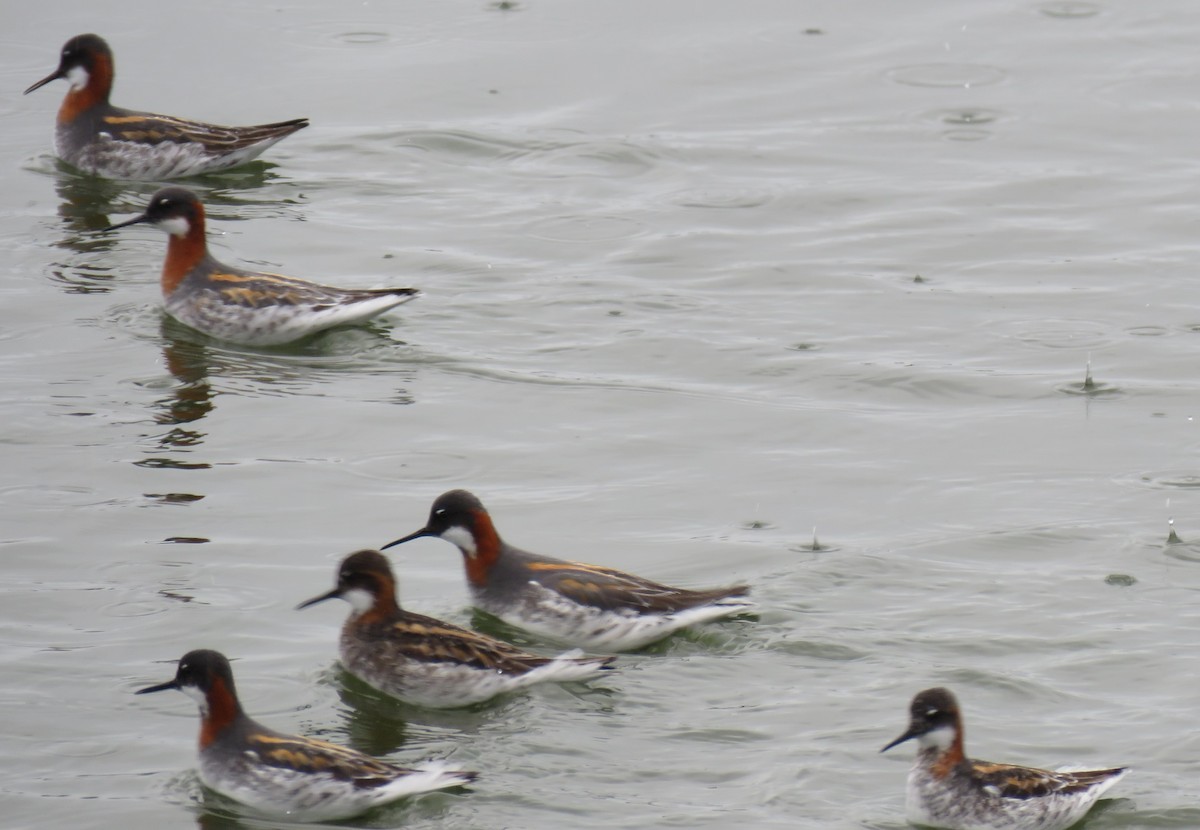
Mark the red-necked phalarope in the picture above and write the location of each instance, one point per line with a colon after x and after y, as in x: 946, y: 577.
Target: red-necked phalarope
x: 246, y: 307
x: 425, y: 661
x: 287, y: 775
x: 116, y: 143
x: 948, y: 790
x: 596, y: 608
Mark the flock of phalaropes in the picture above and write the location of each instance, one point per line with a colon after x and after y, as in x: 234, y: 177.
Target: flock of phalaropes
x: 419, y: 659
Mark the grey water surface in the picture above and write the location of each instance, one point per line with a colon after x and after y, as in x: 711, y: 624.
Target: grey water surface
x: 699, y: 278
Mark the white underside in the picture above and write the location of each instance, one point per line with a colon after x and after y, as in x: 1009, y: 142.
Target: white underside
x: 556, y: 618
x: 447, y: 686
x: 933, y: 803
x: 303, y: 796
x: 113, y: 159
x: 272, y: 326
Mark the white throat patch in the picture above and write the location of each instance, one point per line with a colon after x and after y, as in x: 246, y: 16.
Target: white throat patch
x: 176, y: 226
x: 195, y: 694
x: 361, y: 601
x: 78, y: 77
x: 461, y: 538
x: 940, y: 738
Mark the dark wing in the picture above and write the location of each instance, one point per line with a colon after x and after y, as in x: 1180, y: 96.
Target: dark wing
x: 614, y: 590
x: 1011, y: 781
x: 310, y: 755
x: 148, y: 128
x: 251, y: 289
x: 423, y: 638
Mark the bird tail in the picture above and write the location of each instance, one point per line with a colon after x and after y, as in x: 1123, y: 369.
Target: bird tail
x: 571, y: 665
x: 434, y: 775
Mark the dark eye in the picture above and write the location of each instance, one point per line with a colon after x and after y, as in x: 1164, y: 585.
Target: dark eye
x: 441, y: 511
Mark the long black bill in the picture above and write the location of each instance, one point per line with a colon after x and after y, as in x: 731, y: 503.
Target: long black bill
x: 907, y: 736
x: 161, y: 687
x: 53, y: 76
x: 334, y: 594
x: 422, y: 532
x: 137, y: 220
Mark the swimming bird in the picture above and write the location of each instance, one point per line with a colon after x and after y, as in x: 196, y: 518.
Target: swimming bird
x: 427, y: 662
x: 117, y: 143
x: 287, y: 775
x: 948, y: 790
x: 250, y: 308
x: 596, y: 608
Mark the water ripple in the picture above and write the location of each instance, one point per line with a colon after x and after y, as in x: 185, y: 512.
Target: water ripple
x: 362, y: 38
x: 946, y: 75
x: 142, y: 321
x: 1091, y: 389
x: 332, y: 34
x: 48, y: 496
x: 1179, y: 479
x: 1063, y: 334
x: 170, y: 573
x: 1148, y: 331
x: 964, y: 123
x: 83, y: 278
x: 1144, y: 92
x: 133, y: 608
x: 601, y: 159
x: 723, y: 197
x: 586, y: 228
x: 1070, y: 9
x: 964, y: 116
x: 474, y: 146
x: 1183, y: 551
x: 413, y: 465
x: 568, y: 154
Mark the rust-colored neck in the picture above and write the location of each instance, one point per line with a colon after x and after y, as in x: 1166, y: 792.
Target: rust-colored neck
x: 487, y: 550
x: 223, y: 710
x: 385, y: 608
x: 99, y: 85
x: 184, y: 253
x: 950, y: 757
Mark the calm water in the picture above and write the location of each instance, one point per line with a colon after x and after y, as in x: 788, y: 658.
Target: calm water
x: 699, y: 278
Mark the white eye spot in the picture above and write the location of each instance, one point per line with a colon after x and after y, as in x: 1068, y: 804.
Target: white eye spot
x: 78, y: 77
x: 441, y: 511
x: 176, y: 226
x: 361, y: 601
x: 461, y: 538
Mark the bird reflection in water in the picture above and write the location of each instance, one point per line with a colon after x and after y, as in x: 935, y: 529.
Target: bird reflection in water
x: 190, y: 400
x: 84, y: 203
